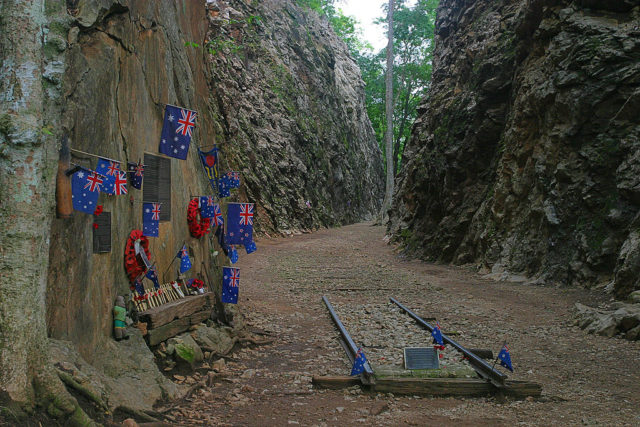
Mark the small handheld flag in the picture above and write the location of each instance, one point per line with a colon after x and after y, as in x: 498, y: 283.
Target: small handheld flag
x: 153, y: 276
x: 358, y: 363
x: 136, y: 171
x: 505, y: 358
x: 176, y: 131
x: 139, y: 287
x: 437, y: 336
x: 85, y: 189
x: 239, y: 223
x: 150, y: 219
x: 185, y: 263
x: 230, y: 284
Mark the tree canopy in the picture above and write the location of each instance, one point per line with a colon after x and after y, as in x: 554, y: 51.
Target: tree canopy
x: 413, y: 29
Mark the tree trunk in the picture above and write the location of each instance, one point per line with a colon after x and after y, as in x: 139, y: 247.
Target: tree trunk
x: 27, y: 168
x: 397, y: 158
x: 388, y: 136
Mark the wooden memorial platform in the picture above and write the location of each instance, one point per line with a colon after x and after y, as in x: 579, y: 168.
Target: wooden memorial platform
x: 459, y: 387
x: 170, y: 319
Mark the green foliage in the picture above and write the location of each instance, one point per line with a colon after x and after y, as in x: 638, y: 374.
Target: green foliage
x: 346, y: 27
x: 6, y: 125
x: 224, y: 43
x: 413, y: 47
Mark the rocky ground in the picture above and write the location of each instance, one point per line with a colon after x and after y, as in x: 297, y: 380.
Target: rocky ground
x: 587, y: 379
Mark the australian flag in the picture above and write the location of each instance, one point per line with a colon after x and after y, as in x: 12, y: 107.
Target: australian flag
x: 153, y: 276
x: 185, y: 263
x: 207, y: 207
x: 230, y: 283
x: 139, y: 287
x: 150, y: 219
x: 505, y: 358
x: 109, y: 169
x: 217, y: 215
x: 234, y: 179
x: 437, y: 336
x: 233, y: 254
x: 210, y: 163
x: 239, y: 223
x: 85, y: 189
x: 224, y: 187
x: 358, y: 363
x: 250, y: 247
x: 136, y: 171
x: 176, y: 131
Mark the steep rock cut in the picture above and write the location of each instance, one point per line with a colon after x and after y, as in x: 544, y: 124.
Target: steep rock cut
x: 524, y: 157
x: 291, y: 108
x: 294, y: 128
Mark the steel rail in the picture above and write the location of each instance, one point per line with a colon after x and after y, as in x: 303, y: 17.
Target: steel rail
x: 345, y: 335
x: 483, y: 369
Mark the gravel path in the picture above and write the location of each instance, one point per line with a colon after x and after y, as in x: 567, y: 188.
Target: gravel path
x: 587, y: 380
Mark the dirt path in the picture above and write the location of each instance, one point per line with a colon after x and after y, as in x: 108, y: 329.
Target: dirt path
x: 587, y: 380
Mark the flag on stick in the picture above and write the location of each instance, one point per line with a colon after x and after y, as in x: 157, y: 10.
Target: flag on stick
x: 152, y: 275
x: 505, y: 358
x: 437, y: 336
x: 358, y: 363
x: 185, y: 263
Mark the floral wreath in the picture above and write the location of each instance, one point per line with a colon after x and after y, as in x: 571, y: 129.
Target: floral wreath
x: 197, y: 228
x: 131, y: 265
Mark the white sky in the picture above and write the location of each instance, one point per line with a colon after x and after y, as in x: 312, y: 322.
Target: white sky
x: 367, y: 11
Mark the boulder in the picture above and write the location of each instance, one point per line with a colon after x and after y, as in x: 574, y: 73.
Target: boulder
x: 118, y: 373
x: 186, y: 350
x: 216, y: 340
x: 625, y: 320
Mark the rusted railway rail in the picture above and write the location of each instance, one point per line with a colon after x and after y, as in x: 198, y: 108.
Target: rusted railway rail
x: 483, y: 369
x: 491, y: 381
x: 350, y: 346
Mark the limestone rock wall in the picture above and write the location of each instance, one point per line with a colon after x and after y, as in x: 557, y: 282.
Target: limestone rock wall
x: 124, y: 61
x: 524, y: 157
x: 291, y: 108
x: 278, y: 93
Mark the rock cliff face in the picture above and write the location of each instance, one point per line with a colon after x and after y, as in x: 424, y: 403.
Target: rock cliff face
x: 291, y: 109
x: 273, y: 86
x: 525, y: 155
